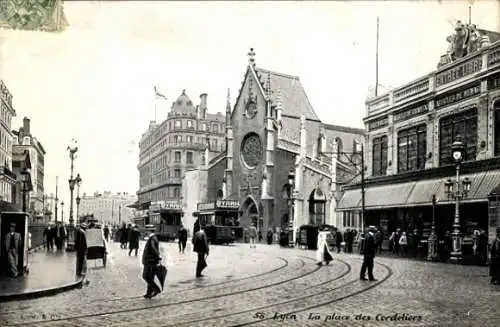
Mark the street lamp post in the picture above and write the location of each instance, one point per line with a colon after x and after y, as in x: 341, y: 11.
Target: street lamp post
x: 432, y: 242
x: 62, y: 212
x: 56, y: 200
x: 291, y: 200
x: 78, y: 181
x: 72, y: 155
x: 457, y: 193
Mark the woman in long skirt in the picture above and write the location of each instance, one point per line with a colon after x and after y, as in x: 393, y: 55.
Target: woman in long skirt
x: 323, y: 252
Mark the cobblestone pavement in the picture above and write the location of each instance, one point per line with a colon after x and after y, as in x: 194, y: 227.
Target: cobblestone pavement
x: 269, y: 286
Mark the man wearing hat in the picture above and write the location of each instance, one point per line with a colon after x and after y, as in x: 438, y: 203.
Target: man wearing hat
x: 13, y: 245
x: 81, y: 251
x: 369, y: 249
x: 495, y: 259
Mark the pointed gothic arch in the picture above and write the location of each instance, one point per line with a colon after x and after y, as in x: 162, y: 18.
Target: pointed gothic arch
x: 249, y: 212
x: 317, y: 207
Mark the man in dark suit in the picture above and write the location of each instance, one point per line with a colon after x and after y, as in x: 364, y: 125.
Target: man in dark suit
x: 200, y: 246
x: 183, y: 236
x: 495, y: 259
x: 81, y: 251
x: 60, y: 234
x: 369, y: 249
x: 48, y: 234
x: 13, y: 245
x: 150, y: 259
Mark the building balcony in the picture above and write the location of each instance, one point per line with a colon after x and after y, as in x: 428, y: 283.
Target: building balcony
x: 455, y: 74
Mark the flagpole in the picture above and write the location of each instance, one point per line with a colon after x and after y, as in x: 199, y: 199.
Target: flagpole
x: 376, y: 63
x: 155, y: 102
x: 470, y: 12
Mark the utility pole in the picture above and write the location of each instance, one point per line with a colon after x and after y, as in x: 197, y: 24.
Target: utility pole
x: 120, y: 213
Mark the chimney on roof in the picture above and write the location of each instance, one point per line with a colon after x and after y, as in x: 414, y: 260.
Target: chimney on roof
x: 203, y: 101
x: 26, y: 126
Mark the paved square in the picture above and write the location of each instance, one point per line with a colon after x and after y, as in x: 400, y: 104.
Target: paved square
x: 269, y: 286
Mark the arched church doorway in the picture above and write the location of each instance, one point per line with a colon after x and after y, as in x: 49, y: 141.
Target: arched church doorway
x: 317, y: 207
x: 249, y: 213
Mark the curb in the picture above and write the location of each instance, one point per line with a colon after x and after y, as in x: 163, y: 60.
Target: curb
x: 41, y: 293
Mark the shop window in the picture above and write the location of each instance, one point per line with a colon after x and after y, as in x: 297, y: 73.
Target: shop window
x: 412, y: 146
x: 463, y: 124
x: 379, y: 156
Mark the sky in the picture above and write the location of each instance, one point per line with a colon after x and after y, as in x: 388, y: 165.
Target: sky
x: 94, y: 81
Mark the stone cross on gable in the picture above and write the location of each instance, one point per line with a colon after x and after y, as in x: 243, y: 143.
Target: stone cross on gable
x: 251, y: 57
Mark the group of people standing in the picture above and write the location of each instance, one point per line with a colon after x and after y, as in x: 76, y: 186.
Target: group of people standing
x: 129, y: 234
x: 54, y: 234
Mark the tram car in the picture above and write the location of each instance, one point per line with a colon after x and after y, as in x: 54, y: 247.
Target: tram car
x: 166, y: 226
x: 219, y: 220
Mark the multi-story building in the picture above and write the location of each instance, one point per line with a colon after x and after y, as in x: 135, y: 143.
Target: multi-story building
x: 273, y: 130
x: 410, y: 132
x: 107, y: 207
x: 23, y: 140
x: 7, y: 178
x: 179, y: 143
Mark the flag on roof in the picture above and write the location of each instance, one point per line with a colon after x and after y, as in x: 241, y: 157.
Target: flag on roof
x: 158, y: 95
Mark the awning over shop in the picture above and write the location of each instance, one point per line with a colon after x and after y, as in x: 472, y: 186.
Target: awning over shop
x: 418, y: 193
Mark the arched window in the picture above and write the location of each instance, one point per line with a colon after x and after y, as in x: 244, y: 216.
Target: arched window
x: 317, y: 206
x: 339, y: 145
x: 496, y: 110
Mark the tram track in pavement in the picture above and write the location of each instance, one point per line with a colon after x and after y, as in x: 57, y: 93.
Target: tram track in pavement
x: 162, y: 305
x: 285, y: 264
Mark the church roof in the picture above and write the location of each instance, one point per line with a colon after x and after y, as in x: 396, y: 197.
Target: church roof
x: 183, y: 104
x: 293, y: 96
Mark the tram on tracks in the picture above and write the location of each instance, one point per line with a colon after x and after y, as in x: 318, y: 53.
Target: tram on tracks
x: 166, y: 217
x: 219, y: 219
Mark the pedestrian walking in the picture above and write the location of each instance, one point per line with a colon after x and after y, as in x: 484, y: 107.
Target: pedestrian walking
x: 133, y: 242
x: 106, y: 233
x: 200, y: 246
x: 150, y: 260
x: 338, y: 240
x: 369, y: 249
x: 60, y: 234
x: 13, y: 244
x: 403, y: 244
x: 252, y: 234
x: 482, y: 247
x: 123, y: 236
x: 495, y: 259
x: 183, y: 235
x: 81, y: 252
x: 48, y: 235
x: 323, y: 253
x: 269, y: 236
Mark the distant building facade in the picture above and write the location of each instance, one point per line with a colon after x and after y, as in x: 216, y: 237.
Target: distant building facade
x: 107, y: 207
x: 7, y: 178
x: 23, y: 140
x: 410, y: 132
x: 181, y: 142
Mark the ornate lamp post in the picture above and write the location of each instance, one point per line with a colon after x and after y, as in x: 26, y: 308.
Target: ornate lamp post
x: 72, y: 155
x: 62, y: 212
x: 458, y: 151
x: 78, y: 181
x: 291, y: 200
x: 432, y: 242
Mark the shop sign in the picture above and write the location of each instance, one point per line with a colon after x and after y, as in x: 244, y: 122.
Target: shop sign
x: 206, y: 206
x: 172, y: 205
x: 228, y: 204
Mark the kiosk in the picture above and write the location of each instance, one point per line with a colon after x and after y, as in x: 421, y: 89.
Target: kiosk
x: 21, y: 220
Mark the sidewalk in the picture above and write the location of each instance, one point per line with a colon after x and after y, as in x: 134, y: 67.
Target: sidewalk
x: 49, y: 273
